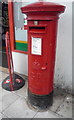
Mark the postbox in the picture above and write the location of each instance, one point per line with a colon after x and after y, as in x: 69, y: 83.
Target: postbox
x: 42, y: 18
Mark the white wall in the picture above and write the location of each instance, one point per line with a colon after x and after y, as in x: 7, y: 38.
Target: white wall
x: 63, y: 71
x: 63, y: 66
x: 20, y: 63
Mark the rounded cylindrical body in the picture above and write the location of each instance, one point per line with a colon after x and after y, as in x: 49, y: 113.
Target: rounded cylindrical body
x: 42, y: 33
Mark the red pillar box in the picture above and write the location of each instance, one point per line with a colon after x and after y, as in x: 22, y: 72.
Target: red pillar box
x: 42, y: 32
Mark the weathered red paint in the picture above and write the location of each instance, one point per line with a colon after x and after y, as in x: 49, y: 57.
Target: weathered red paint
x: 9, y: 59
x: 41, y: 67
x: 11, y: 24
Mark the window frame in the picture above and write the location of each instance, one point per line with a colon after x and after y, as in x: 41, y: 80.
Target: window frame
x: 11, y: 27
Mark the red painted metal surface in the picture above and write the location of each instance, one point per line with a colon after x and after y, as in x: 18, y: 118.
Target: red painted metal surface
x: 25, y: 27
x: 18, y: 51
x: 41, y: 67
x: 9, y: 59
x: 43, y: 6
x: 11, y: 27
x: 11, y: 24
x: 39, y: 11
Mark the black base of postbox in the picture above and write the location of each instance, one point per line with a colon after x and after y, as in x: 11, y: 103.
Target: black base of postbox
x: 40, y: 101
x: 18, y: 81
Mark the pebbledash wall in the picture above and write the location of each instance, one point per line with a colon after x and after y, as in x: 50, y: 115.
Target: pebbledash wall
x: 63, y: 66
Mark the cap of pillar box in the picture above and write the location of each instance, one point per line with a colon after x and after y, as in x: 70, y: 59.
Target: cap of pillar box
x: 43, y: 6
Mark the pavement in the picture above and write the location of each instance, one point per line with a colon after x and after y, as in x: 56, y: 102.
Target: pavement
x: 15, y: 105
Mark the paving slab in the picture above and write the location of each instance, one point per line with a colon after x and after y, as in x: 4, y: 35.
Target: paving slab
x: 0, y: 106
x: 3, y: 91
x: 58, y: 98
x: 0, y: 116
x: 66, y: 107
x: 7, y: 100
x: 0, y: 76
x: 19, y: 109
x: 3, y: 75
x: 0, y: 99
x: 4, y: 69
x: 23, y: 91
x: 3, y: 116
x: 47, y: 114
x: 15, y: 105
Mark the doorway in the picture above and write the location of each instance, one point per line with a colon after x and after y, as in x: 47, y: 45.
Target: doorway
x: 5, y: 27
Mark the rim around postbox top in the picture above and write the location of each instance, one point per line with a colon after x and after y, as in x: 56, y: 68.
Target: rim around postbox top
x: 43, y: 6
